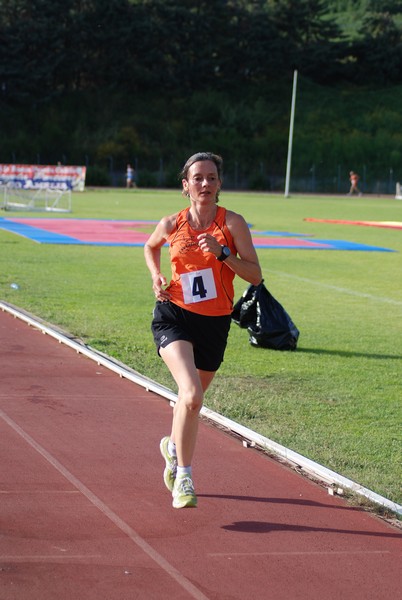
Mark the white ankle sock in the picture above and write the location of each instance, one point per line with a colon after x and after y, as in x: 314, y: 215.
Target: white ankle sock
x: 182, y: 471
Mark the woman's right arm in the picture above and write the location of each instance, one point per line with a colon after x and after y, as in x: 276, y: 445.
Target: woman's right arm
x: 152, y: 253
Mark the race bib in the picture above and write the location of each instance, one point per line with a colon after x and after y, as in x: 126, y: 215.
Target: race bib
x: 198, y: 286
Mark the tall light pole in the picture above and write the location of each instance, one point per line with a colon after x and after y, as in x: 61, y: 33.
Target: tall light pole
x: 292, y: 118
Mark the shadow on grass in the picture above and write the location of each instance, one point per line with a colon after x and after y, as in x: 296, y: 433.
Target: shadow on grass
x: 348, y: 354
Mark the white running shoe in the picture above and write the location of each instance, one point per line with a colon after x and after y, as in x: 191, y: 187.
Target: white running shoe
x: 169, y: 474
x: 183, y: 493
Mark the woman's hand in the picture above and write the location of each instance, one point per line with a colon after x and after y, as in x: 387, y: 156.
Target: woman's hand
x: 158, y: 281
x: 208, y: 243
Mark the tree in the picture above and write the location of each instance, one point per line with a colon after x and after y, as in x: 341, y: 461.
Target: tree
x: 104, y: 34
x: 33, y: 49
x: 379, y: 53
x: 312, y: 42
x: 392, y: 7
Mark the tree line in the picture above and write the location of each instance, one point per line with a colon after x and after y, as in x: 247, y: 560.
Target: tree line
x: 116, y: 79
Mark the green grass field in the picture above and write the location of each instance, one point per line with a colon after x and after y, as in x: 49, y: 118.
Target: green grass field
x: 336, y: 400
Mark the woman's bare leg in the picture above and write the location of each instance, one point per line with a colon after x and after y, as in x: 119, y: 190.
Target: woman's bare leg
x: 192, y: 383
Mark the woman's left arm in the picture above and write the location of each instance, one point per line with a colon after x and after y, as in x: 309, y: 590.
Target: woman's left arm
x: 246, y: 265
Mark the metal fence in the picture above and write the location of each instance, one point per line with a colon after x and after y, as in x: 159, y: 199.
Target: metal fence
x: 235, y: 179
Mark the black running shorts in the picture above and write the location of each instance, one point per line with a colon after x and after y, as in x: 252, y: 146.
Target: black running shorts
x: 207, y: 334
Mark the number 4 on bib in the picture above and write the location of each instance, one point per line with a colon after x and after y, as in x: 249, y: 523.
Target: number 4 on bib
x: 198, y: 286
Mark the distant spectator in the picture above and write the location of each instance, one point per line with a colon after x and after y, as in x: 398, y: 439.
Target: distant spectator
x: 354, y: 178
x: 130, y: 182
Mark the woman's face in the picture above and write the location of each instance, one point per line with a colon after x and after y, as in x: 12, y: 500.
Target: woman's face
x: 202, y: 183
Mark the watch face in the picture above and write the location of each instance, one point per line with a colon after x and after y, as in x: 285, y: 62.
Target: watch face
x: 225, y: 253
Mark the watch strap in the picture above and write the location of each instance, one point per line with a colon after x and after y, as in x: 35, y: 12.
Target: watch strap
x: 224, y: 254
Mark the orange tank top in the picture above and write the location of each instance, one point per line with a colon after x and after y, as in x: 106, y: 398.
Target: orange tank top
x: 200, y: 283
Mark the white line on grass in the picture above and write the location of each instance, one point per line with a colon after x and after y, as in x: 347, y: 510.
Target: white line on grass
x: 336, y: 288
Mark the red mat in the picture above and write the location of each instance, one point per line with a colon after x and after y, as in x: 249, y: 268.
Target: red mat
x: 387, y: 224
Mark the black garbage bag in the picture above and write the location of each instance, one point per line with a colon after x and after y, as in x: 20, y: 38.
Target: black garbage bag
x: 267, y: 322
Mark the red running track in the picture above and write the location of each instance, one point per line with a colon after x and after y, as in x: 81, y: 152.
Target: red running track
x: 84, y: 514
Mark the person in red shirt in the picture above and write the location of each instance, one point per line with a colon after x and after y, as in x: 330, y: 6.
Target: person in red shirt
x: 354, y: 179
x: 208, y: 246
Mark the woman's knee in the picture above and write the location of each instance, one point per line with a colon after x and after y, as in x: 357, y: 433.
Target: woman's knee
x: 191, y: 399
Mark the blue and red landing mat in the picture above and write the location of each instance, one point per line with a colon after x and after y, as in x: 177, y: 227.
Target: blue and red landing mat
x: 135, y: 233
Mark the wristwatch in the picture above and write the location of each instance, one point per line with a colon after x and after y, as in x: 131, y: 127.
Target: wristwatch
x: 225, y: 253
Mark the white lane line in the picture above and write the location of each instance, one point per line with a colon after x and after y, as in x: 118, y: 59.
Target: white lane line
x: 40, y: 558
x: 110, y: 514
x: 319, y: 553
x: 38, y: 492
x: 336, y: 288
